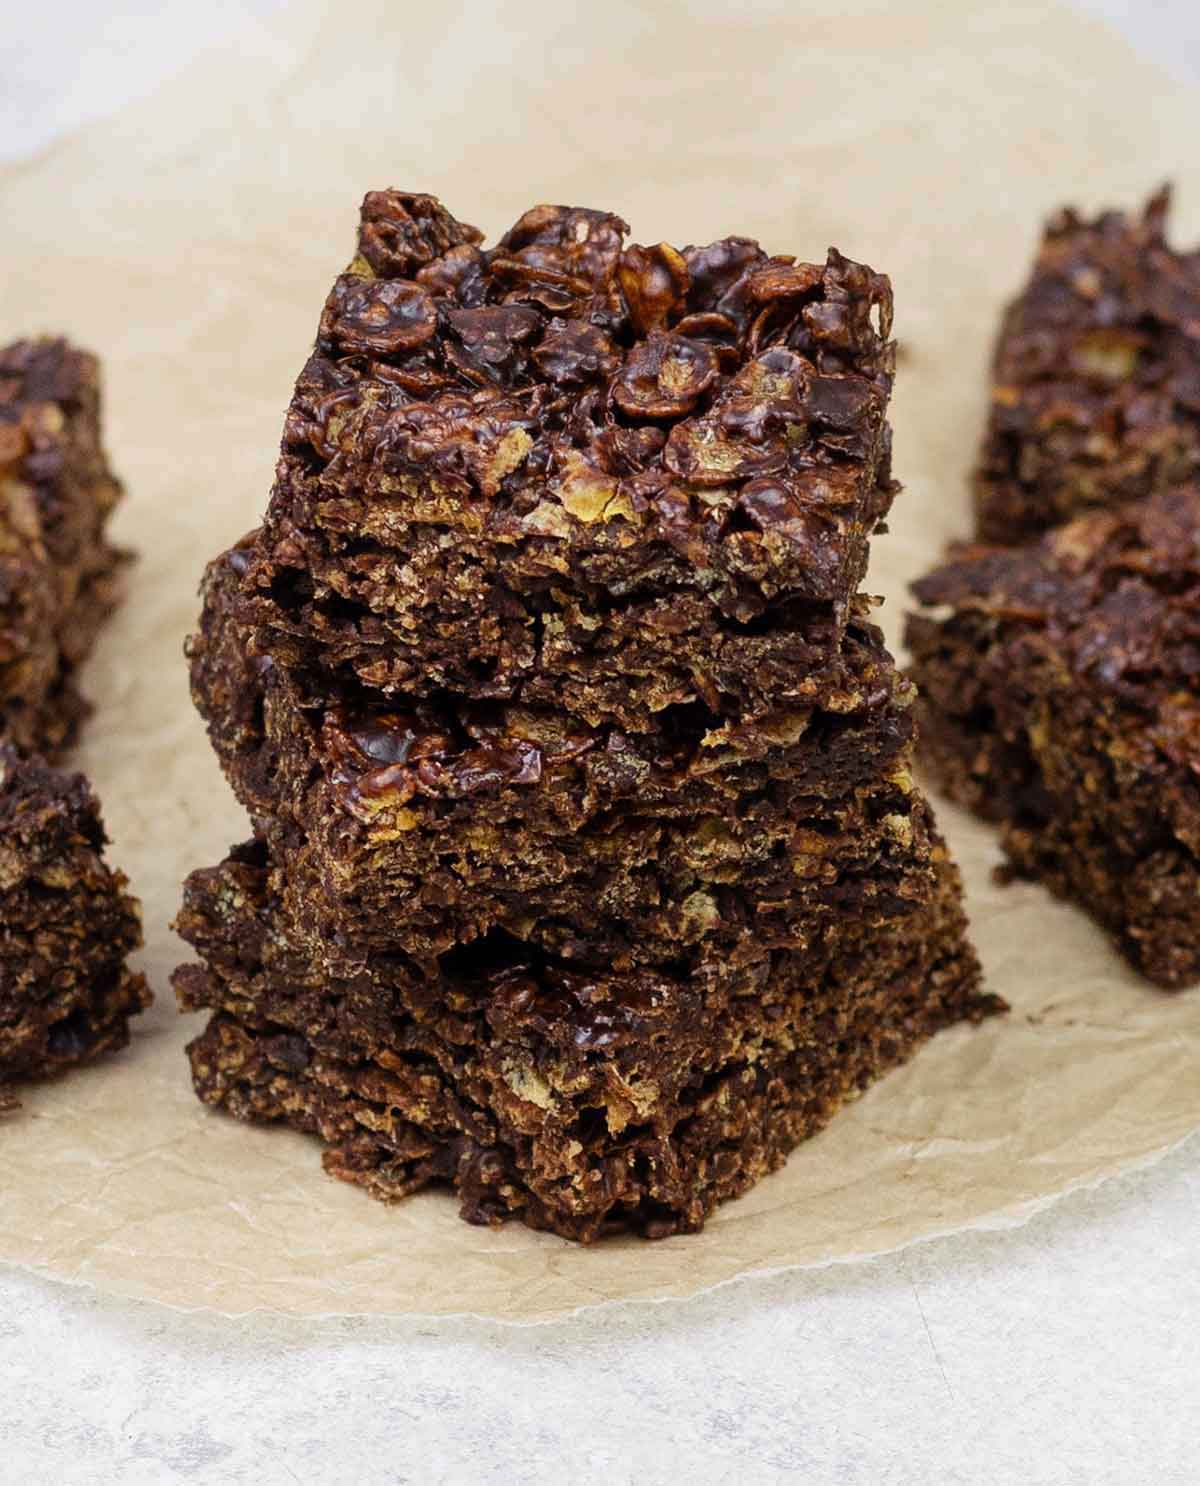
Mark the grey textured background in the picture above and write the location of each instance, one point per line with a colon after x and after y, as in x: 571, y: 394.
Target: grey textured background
x: 1067, y: 1351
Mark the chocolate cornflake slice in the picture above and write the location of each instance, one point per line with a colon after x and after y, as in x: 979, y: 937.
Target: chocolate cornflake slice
x: 59, y: 575
x: 67, y: 926
x: 1096, y: 376
x: 588, y: 874
x: 476, y: 816
x: 621, y: 476
x: 580, y: 1102
x: 1058, y: 696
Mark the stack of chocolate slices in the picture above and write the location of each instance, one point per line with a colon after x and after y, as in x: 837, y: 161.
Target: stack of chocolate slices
x: 587, y: 874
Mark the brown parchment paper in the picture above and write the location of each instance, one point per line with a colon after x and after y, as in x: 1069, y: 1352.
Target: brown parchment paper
x: 191, y: 241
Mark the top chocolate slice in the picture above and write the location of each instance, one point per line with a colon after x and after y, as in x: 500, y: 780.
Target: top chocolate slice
x: 562, y: 468
x: 1096, y: 378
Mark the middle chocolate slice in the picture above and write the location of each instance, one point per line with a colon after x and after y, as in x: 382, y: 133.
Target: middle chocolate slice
x: 700, y: 839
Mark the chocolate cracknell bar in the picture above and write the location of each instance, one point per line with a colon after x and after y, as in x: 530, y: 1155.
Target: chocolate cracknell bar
x: 66, y: 926
x: 1096, y: 376
x: 1058, y: 696
x: 588, y: 875
x: 59, y: 575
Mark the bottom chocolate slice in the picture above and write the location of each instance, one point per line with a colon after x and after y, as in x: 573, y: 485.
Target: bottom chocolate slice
x: 66, y: 926
x: 574, y: 1103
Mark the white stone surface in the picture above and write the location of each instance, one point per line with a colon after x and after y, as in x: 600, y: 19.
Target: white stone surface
x: 1064, y: 1352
